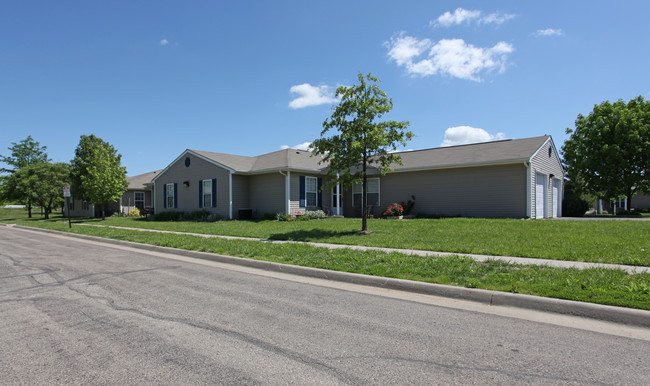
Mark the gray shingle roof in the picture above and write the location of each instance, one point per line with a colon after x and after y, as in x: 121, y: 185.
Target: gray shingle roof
x: 485, y: 153
x: 138, y: 182
x: 281, y: 159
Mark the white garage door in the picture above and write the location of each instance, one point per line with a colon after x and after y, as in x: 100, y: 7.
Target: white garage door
x: 540, y: 196
x: 556, y: 198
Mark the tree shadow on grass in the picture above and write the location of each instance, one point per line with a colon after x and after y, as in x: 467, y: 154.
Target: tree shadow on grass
x: 311, y: 235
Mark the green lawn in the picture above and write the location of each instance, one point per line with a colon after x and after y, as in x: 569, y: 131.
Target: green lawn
x: 612, y: 287
x: 622, y: 242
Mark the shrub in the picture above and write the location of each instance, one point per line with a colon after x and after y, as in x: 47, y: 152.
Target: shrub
x: 314, y: 214
x: 281, y: 216
x: 134, y: 212
x: 394, y: 209
x: 168, y: 216
x: 573, y: 205
x: 197, y: 215
x: 408, y: 205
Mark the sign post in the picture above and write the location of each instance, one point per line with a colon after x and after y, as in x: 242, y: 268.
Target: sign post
x: 66, y: 194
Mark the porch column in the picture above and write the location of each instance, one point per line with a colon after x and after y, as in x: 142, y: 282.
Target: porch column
x: 287, y: 192
x: 338, y: 196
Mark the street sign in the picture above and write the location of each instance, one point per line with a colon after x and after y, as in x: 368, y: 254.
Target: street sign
x: 66, y: 191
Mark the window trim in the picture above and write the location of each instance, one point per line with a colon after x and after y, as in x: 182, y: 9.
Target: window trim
x: 308, y: 192
x: 204, y: 194
x: 169, y: 189
x: 355, y: 201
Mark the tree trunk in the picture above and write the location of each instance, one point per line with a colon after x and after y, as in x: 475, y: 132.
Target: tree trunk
x: 29, y: 208
x: 103, y: 212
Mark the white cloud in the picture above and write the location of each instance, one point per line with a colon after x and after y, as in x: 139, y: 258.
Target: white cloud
x: 164, y: 42
x: 461, y: 135
x: 309, y: 95
x: 451, y: 57
x: 497, y: 18
x: 549, y: 32
x: 461, y: 16
x: 405, y: 48
x: 302, y: 146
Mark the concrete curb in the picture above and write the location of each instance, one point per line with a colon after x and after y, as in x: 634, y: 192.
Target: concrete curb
x: 622, y: 315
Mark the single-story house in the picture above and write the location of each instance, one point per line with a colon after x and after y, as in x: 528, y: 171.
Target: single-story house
x: 138, y: 195
x: 639, y: 201
x: 521, y: 178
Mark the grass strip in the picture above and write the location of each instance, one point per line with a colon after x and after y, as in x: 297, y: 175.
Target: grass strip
x: 614, y: 242
x: 602, y: 286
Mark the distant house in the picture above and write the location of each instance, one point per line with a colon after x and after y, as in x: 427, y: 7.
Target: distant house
x: 520, y: 178
x: 138, y: 196
x: 139, y: 193
x: 639, y: 201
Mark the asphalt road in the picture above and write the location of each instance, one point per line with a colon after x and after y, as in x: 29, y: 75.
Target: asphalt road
x: 81, y: 312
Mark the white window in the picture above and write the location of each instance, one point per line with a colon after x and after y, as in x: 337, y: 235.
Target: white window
x: 372, y: 197
x: 207, y: 193
x: 311, y: 191
x: 139, y: 200
x: 170, y: 195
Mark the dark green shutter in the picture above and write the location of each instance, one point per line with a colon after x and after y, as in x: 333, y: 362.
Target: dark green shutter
x: 320, y: 194
x: 214, y: 192
x: 200, y: 193
x: 165, y: 196
x: 302, y: 191
x: 175, y: 195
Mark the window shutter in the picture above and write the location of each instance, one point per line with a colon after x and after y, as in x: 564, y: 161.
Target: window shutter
x: 214, y: 192
x: 302, y: 191
x: 165, y: 196
x: 200, y: 193
x: 319, y: 201
x: 175, y: 195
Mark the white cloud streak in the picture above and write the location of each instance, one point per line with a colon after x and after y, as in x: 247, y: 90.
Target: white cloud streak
x: 309, y: 95
x: 549, y: 32
x: 453, y: 57
x: 461, y: 135
x: 466, y: 16
x: 164, y: 42
x: 302, y: 146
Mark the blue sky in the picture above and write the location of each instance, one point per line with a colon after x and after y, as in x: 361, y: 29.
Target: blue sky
x: 247, y: 78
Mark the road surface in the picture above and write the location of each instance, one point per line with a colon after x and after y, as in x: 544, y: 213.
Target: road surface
x: 82, y: 312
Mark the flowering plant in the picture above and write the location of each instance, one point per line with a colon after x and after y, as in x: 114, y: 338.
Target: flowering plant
x: 394, y: 210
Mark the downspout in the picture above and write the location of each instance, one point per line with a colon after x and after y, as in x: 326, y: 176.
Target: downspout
x: 287, y: 190
x: 529, y: 193
x: 229, y: 194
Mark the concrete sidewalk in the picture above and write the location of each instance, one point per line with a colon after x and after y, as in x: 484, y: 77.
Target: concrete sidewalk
x: 416, y: 252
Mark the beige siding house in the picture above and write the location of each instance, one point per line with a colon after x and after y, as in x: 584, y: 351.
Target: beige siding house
x: 519, y: 178
x: 138, y: 196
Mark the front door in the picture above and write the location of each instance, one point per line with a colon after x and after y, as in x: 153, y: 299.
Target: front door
x: 337, y: 200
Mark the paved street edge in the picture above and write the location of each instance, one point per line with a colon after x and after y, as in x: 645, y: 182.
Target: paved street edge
x: 622, y: 315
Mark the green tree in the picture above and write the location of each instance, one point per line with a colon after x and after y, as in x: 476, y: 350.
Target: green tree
x: 23, y: 154
x: 97, y: 176
x: 43, y: 183
x: 361, y: 141
x: 608, y: 153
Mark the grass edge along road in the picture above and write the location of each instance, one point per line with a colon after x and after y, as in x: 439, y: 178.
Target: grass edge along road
x: 601, y: 286
x: 614, y: 242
